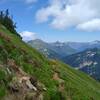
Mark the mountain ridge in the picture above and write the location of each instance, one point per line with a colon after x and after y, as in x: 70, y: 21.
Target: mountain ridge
x: 58, y: 50
x: 62, y: 49
x: 87, y: 61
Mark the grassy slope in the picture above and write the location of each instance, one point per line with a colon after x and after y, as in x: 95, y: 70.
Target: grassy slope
x: 77, y: 85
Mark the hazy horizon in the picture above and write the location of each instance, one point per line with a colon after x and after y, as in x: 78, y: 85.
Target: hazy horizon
x: 64, y: 41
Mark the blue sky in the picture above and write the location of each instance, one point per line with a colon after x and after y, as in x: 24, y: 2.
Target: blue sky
x: 56, y: 20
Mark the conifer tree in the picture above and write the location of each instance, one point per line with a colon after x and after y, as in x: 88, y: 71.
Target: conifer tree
x: 7, y: 21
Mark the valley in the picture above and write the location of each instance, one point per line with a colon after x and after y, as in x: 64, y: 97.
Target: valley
x: 81, y: 56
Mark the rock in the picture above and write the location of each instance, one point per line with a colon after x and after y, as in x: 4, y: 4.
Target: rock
x: 30, y: 96
x: 41, y: 86
x: 40, y: 97
x: 14, y: 88
x: 33, y: 80
x: 23, y: 79
x: 44, y: 89
x: 30, y: 86
x: 8, y: 70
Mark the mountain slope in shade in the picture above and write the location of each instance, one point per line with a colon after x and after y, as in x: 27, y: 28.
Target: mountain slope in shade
x: 52, y: 50
x: 87, y: 61
x: 25, y: 74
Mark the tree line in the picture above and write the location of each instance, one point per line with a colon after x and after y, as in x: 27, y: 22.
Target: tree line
x: 7, y: 21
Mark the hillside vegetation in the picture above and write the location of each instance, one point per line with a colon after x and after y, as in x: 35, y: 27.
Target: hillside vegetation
x: 25, y: 74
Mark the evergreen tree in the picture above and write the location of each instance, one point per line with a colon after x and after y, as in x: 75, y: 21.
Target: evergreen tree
x: 1, y: 16
x: 7, y: 21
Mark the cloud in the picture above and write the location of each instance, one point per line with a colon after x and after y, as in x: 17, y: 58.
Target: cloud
x: 93, y: 25
x: 62, y: 14
x: 27, y: 36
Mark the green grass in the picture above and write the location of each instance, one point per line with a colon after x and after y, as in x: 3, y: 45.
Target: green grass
x: 2, y: 91
x: 77, y: 85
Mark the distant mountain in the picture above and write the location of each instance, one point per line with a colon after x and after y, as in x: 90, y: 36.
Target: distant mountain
x: 81, y: 46
x: 62, y: 48
x: 44, y: 48
x: 52, y: 50
x: 87, y: 61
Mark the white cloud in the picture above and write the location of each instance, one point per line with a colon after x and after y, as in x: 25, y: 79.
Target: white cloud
x: 64, y: 14
x: 93, y: 25
x: 27, y: 36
